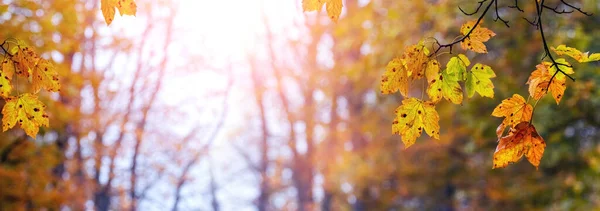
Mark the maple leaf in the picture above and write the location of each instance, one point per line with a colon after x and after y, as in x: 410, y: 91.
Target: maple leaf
x: 413, y: 63
x: 540, y: 78
x: 5, y: 86
x: 312, y: 5
x: 576, y: 54
x: 417, y: 58
x: 26, y: 111
x: 126, y: 7
x: 25, y: 60
x: 8, y: 68
x: 414, y: 116
x: 478, y: 36
x: 447, y: 87
x: 522, y: 139
x: 478, y: 79
x: 457, y: 67
x: 45, y: 76
x: 395, y: 78
x: 515, y: 110
x: 432, y: 70
x: 333, y: 7
x: 446, y: 83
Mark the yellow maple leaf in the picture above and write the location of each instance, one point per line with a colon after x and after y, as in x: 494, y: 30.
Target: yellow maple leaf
x: 417, y: 58
x: 446, y: 83
x: 26, y: 111
x: 108, y: 7
x: 478, y: 36
x: 334, y: 9
x: 576, y: 54
x: 8, y: 68
x: 514, y: 110
x: 432, y: 70
x: 522, y: 139
x: 312, y: 5
x: 5, y: 86
x: 414, y: 116
x: 478, y: 80
x: 25, y: 60
x: 395, y: 78
x: 45, y: 76
x: 413, y: 64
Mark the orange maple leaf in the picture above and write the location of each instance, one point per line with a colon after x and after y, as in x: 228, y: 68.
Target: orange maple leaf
x: 523, y: 139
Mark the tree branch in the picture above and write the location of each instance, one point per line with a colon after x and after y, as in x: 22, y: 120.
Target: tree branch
x: 539, y: 9
x: 498, y: 15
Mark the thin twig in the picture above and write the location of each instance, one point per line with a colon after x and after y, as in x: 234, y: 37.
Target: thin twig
x: 449, y: 45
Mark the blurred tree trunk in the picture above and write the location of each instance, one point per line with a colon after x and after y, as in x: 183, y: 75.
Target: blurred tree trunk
x: 258, y: 90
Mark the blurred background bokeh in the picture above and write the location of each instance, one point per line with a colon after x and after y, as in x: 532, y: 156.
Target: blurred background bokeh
x: 257, y: 105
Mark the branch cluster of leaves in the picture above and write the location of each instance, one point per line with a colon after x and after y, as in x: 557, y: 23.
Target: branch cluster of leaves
x: 24, y: 109
x: 416, y: 115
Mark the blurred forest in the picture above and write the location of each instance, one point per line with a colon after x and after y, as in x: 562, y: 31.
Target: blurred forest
x: 155, y: 113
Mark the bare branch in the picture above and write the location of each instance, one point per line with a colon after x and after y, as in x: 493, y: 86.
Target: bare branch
x: 498, y: 15
x: 449, y: 45
x: 516, y: 6
x: 477, y: 10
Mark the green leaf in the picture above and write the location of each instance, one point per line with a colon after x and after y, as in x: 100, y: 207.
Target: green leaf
x: 478, y: 80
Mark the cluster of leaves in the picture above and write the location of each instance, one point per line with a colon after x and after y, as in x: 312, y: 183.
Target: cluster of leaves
x: 522, y: 138
x: 417, y: 61
x: 108, y: 7
x: 416, y: 115
x: 24, y: 109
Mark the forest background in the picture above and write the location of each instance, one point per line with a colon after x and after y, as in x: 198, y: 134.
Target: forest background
x: 258, y: 105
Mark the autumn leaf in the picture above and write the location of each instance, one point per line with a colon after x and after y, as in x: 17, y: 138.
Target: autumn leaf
x: 25, y: 60
x: 576, y: 54
x: 413, y: 64
x: 446, y: 83
x: 417, y: 58
x: 5, y: 85
x: 312, y: 5
x: 26, y: 111
x: 45, y: 76
x: 8, y: 68
x: 126, y: 7
x: 432, y: 70
x: 514, y: 110
x: 522, y: 139
x: 414, y: 116
x: 395, y: 78
x: 478, y: 80
x: 333, y: 7
x: 446, y: 87
x: 457, y: 67
x: 539, y: 80
x: 478, y: 36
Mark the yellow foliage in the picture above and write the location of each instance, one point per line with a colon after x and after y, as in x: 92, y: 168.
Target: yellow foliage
x: 126, y: 7
x: 478, y: 36
x: 576, y: 54
x: 26, y: 111
x: 414, y: 116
